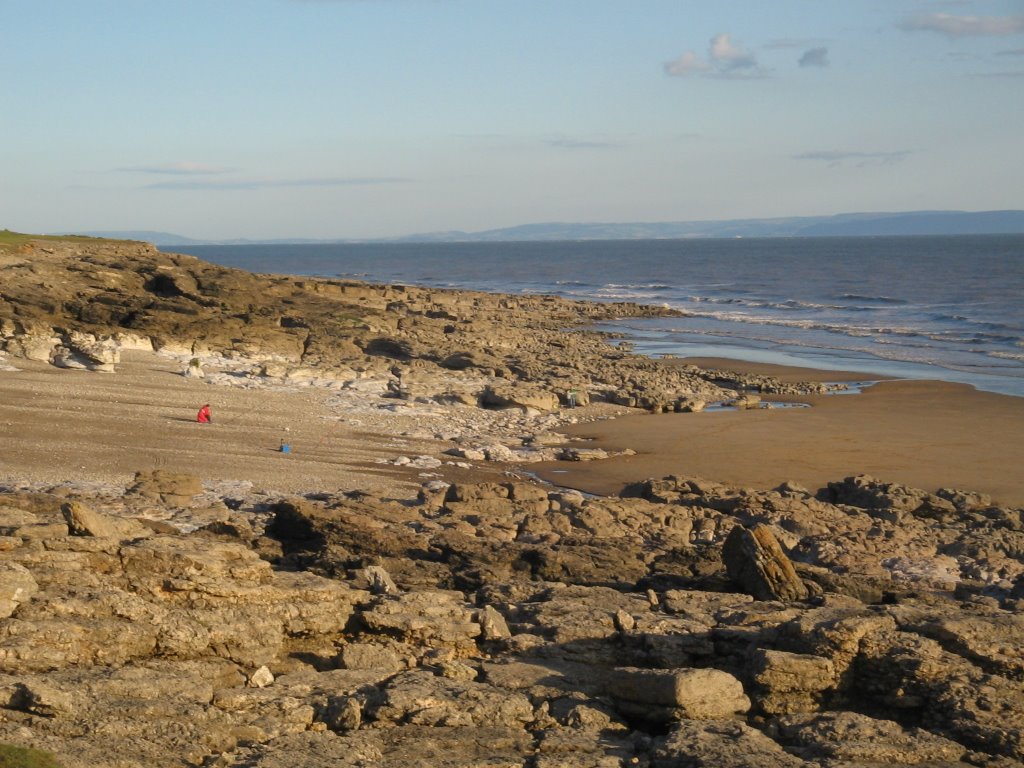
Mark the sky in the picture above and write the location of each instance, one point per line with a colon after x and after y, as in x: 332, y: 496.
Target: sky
x: 261, y: 119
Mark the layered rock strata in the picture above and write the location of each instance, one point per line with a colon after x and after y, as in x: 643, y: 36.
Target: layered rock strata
x: 510, y: 624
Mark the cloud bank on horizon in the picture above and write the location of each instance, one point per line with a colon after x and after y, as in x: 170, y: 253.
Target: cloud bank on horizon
x: 367, y: 118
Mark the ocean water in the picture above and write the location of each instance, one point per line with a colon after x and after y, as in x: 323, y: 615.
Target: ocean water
x: 947, y: 308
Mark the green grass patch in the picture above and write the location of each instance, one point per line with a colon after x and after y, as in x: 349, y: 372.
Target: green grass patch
x: 25, y: 757
x: 11, y: 240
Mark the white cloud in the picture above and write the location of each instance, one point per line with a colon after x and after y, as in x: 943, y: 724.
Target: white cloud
x: 964, y: 26
x: 814, y: 57
x: 687, y: 64
x: 727, y: 56
x: 725, y: 59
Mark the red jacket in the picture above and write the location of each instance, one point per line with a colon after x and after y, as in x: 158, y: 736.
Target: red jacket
x: 203, y: 417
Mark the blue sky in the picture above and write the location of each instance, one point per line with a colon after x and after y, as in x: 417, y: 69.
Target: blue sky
x: 368, y: 118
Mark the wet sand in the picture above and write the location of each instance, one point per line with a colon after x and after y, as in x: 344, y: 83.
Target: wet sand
x: 925, y: 434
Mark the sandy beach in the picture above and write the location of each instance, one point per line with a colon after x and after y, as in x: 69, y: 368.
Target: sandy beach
x: 61, y: 424
x: 926, y: 434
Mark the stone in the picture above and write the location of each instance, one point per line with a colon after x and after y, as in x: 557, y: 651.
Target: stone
x: 380, y: 580
x: 887, y: 500
x: 522, y: 397
x: 17, y: 585
x: 492, y: 624
x: 37, y: 347
x: 194, y: 371
x: 40, y: 698
x: 695, y: 694
x: 172, y: 488
x: 83, y: 351
x: 624, y: 622
x: 745, y: 402
x: 261, y: 678
x: 83, y: 521
x: 787, y: 683
x: 343, y: 713
x: 755, y: 561
x: 582, y: 454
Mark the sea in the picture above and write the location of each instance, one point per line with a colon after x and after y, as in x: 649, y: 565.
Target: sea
x: 932, y: 307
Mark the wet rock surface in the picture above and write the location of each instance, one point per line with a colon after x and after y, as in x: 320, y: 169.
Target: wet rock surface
x: 506, y: 624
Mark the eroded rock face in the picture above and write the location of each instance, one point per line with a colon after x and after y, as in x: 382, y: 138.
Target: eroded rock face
x: 385, y: 631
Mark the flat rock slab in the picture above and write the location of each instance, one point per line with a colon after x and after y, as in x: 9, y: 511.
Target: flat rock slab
x: 697, y: 694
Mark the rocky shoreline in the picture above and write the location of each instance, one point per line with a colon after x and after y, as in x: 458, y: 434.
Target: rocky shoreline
x: 180, y: 621
x: 502, y: 624
x: 77, y: 305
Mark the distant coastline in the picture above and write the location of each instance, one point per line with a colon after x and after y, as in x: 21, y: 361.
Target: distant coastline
x: 840, y: 225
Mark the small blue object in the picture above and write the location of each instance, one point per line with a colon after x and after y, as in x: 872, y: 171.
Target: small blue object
x: 285, y: 448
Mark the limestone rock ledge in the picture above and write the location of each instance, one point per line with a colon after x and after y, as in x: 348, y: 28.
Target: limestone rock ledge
x: 506, y: 624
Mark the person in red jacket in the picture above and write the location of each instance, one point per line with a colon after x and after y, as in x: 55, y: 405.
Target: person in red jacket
x: 204, y: 417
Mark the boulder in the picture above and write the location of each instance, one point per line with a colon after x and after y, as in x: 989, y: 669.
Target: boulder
x: 83, y: 521
x: 519, y: 396
x: 745, y: 402
x: 582, y: 454
x: 665, y: 695
x: 171, y: 488
x: 17, y: 585
x: 787, y: 683
x: 887, y: 500
x: 33, y: 346
x: 755, y: 561
x: 84, y: 351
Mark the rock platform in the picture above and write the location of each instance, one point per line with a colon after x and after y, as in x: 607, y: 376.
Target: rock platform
x: 511, y: 624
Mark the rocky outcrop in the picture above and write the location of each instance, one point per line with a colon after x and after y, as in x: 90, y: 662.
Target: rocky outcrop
x: 77, y: 304
x: 503, y: 623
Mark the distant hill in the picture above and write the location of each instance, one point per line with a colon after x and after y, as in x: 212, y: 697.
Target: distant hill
x: 846, y: 224
x: 157, y: 238
x: 919, y: 223
x: 840, y: 225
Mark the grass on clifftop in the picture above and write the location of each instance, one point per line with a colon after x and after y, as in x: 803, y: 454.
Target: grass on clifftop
x: 23, y: 757
x: 12, y: 240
